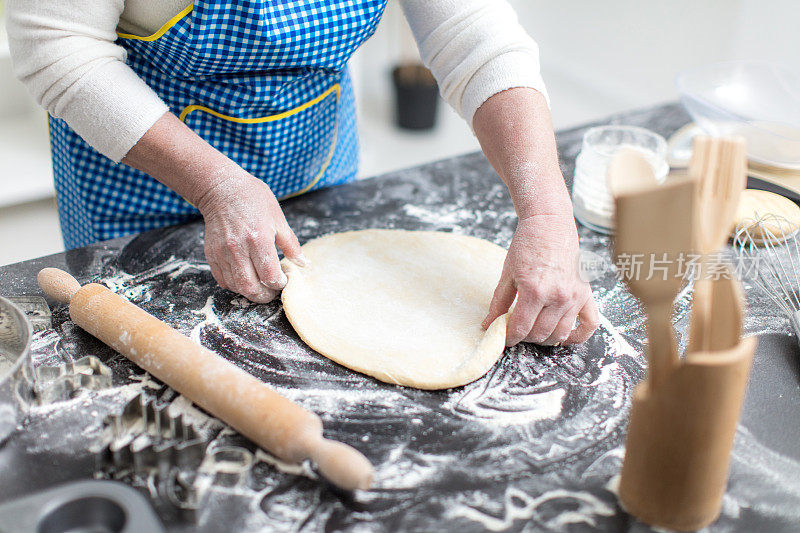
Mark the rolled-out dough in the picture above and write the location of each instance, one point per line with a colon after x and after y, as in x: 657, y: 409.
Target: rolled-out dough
x: 402, y: 306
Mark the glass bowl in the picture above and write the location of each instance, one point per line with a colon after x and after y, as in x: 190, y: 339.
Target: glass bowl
x: 592, y: 202
x: 759, y: 101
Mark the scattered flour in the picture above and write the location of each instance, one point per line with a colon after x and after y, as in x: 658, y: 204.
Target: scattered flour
x: 440, y: 216
x: 519, y: 505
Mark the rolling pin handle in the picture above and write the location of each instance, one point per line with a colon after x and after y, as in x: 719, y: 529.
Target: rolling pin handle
x: 57, y: 284
x: 342, y: 465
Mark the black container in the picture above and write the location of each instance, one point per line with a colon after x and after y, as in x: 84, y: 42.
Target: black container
x: 416, y: 96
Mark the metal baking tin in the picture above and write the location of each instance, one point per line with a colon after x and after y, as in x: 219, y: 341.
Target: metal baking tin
x: 81, y: 506
x: 16, y: 370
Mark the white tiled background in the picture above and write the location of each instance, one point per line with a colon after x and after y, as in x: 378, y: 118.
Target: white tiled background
x: 597, y: 58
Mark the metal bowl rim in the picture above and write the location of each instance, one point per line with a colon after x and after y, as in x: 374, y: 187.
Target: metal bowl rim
x: 23, y: 355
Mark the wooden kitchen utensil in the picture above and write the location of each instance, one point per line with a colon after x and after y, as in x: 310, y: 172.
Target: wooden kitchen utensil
x: 680, y: 436
x: 271, y: 421
x: 656, y: 238
x: 720, y: 166
x: 684, y: 416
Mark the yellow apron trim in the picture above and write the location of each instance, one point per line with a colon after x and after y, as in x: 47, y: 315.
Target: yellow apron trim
x: 322, y: 169
x: 271, y: 118
x: 162, y: 30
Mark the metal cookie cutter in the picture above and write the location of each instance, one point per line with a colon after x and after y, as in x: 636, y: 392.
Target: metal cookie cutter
x: 224, y: 466
x: 160, y: 449
x: 228, y: 466
x: 146, y: 437
x: 182, y: 493
x: 59, y: 383
x: 36, y: 311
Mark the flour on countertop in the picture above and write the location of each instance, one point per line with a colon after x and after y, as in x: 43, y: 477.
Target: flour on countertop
x: 534, y: 410
x: 519, y: 505
x: 533, y: 444
x: 525, y: 394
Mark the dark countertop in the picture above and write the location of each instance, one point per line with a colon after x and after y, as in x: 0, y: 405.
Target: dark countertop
x: 535, y: 444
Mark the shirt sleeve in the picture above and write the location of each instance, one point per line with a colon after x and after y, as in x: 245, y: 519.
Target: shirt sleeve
x: 65, y: 53
x: 475, y: 49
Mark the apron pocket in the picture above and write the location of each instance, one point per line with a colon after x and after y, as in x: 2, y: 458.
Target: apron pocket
x: 289, y: 151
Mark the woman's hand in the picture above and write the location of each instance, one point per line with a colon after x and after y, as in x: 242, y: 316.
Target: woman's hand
x: 541, y: 271
x: 243, y: 224
x: 243, y: 219
x: 541, y: 268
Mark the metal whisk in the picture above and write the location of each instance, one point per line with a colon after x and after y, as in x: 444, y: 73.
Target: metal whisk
x: 768, y: 249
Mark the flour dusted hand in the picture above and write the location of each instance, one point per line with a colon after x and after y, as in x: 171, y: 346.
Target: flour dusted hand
x: 244, y: 223
x: 541, y: 272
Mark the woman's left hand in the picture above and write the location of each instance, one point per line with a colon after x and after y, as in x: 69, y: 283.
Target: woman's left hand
x: 541, y: 271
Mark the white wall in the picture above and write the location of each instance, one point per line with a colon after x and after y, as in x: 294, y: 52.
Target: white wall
x: 598, y: 57
x: 383, y: 146
x: 768, y: 30
x: 624, y: 53
x: 28, y: 218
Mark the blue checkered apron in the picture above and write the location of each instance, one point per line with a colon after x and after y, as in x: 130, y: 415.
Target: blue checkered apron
x: 265, y: 82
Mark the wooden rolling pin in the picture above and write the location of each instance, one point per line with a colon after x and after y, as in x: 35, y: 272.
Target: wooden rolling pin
x: 273, y: 422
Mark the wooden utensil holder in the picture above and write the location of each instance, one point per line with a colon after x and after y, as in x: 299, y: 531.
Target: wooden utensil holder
x: 680, y: 436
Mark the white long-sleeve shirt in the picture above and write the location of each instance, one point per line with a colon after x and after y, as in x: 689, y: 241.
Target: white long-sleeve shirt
x: 65, y: 52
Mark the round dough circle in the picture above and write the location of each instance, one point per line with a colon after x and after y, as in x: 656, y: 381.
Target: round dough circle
x: 402, y: 306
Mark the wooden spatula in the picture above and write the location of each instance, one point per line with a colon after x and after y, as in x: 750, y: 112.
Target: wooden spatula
x: 654, y: 236
x: 721, y: 167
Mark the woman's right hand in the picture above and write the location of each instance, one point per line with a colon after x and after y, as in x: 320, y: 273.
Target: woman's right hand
x: 244, y: 223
